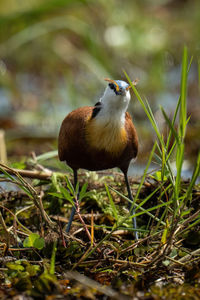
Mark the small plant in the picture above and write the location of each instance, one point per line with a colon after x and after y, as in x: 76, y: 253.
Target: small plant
x: 68, y: 193
x: 34, y: 240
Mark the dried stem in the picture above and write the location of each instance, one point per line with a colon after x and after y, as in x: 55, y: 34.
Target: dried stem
x: 7, y: 234
x: 29, y: 174
x: 3, y: 152
x: 81, y: 219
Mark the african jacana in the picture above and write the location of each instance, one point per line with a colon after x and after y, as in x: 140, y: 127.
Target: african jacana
x: 100, y: 137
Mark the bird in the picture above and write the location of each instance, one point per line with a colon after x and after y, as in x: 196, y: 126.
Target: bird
x: 101, y: 137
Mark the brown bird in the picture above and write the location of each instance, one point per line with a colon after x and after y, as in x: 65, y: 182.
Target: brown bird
x: 100, y: 137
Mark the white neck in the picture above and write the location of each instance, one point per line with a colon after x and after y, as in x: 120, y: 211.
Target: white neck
x: 113, y: 108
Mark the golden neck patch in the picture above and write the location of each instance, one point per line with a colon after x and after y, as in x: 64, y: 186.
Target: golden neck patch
x: 110, y: 137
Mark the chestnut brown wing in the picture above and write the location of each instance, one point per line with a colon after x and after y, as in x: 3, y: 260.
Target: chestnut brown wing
x: 72, y: 132
x: 132, y: 135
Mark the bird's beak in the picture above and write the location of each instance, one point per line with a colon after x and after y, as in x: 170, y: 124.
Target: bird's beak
x: 114, y: 82
x: 134, y: 82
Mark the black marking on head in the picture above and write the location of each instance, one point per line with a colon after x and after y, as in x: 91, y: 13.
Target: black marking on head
x: 113, y: 87
x: 96, y: 109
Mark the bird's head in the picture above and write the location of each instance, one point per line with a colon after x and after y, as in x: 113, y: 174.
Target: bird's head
x: 119, y: 87
x: 117, y: 94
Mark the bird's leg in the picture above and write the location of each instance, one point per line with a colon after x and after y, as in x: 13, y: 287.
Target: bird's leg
x: 74, y: 207
x: 132, y: 211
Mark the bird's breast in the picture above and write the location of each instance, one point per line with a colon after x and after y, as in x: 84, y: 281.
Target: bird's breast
x: 108, y: 136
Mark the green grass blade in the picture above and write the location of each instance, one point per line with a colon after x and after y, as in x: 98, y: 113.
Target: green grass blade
x: 183, y: 108
x: 195, y: 175
x: 179, y: 163
x: 147, y: 108
x: 173, y: 122
x: 53, y: 258
x: 112, y: 204
x: 170, y: 124
x: 66, y: 195
x: 149, y: 196
x: 147, y: 211
x: 7, y: 174
x: 47, y: 155
x: 144, y: 175
x: 182, y: 122
x: 70, y: 186
x: 143, y: 211
x: 83, y: 192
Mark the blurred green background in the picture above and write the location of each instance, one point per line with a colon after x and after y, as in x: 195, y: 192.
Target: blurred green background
x: 54, y: 56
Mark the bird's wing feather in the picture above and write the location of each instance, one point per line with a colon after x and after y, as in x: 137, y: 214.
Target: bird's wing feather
x: 132, y: 135
x: 72, y: 130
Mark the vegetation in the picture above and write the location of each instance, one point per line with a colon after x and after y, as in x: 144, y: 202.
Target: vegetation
x: 100, y: 256
x: 53, y: 57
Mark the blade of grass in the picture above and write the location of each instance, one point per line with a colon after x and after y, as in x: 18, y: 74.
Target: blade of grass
x: 183, y: 108
x: 182, y: 122
x: 139, y: 207
x: 70, y: 186
x: 187, y: 196
x: 149, y: 197
x: 144, y: 175
x: 173, y: 122
x: 146, y: 211
x: 114, y: 209
x: 53, y: 258
x: 146, y: 108
x: 171, y: 126
x: 47, y: 155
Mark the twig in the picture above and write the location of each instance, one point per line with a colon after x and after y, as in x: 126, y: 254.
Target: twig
x: 192, y: 217
x: 176, y: 262
x: 29, y: 174
x: 186, y: 258
x: 43, y: 213
x: 61, y: 233
x: 16, y: 218
x: 133, y: 246
x: 81, y: 259
x: 7, y: 234
x: 82, y: 221
x: 113, y: 260
x: 3, y: 152
x: 92, y: 229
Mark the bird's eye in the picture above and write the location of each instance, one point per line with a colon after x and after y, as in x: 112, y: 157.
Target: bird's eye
x: 111, y: 85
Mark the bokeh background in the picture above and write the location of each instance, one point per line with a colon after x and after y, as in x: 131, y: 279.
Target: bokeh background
x: 55, y: 54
